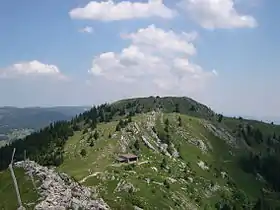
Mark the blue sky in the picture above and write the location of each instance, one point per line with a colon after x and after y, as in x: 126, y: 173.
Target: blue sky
x: 81, y: 52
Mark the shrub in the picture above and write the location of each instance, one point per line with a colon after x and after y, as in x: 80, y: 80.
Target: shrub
x: 83, y: 152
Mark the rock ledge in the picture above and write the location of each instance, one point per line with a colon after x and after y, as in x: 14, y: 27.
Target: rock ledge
x: 59, y: 192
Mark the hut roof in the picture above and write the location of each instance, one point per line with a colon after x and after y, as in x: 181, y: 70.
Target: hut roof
x: 128, y: 156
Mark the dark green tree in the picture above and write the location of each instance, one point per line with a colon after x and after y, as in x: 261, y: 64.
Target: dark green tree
x: 96, y: 135
x: 179, y: 121
x: 83, y: 152
x: 122, y: 112
x: 132, y: 113
x: 118, y: 127
x: 102, y: 116
x: 122, y: 123
x: 163, y: 164
x: 177, y: 108
x: 192, y: 108
x: 220, y: 117
x: 91, y: 143
x: 137, y: 145
x: 166, y: 122
x: 93, y: 124
x: 166, y: 184
x: 166, y: 128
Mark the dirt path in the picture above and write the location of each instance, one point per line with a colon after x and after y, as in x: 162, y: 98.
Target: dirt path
x: 91, y: 175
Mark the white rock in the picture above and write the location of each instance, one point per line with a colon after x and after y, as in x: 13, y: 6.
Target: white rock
x: 58, y: 191
x: 223, y: 174
x: 190, y: 179
x: 155, y: 169
x: 202, y: 165
x: 172, y: 180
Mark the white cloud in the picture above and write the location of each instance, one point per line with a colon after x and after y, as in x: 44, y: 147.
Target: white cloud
x: 213, y: 14
x: 86, y: 29
x: 155, y: 58
x: 110, y: 10
x: 31, y: 68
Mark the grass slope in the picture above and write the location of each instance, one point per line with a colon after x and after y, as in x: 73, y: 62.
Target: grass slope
x: 8, y: 199
x: 181, y: 184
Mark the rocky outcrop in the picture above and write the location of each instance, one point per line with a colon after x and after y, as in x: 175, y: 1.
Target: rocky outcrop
x: 202, y: 165
x: 148, y: 144
x: 59, y: 191
x: 220, y: 133
x: 125, y: 186
x: 199, y: 143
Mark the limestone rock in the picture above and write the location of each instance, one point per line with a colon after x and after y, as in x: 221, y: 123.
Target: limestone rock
x: 59, y: 192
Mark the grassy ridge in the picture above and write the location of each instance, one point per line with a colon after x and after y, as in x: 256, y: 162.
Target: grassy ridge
x: 152, y: 182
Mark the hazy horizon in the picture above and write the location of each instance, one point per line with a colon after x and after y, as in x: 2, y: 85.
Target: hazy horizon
x: 268, y: 119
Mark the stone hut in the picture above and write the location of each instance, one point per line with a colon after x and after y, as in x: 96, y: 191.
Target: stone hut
x: 126, y: 158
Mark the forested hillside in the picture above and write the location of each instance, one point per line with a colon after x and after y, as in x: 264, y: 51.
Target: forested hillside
x: 189, y: 156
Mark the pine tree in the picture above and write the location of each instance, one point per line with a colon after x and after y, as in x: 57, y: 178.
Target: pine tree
x: 220, y: 117
x: 163, y: 164
x: 193, y: 108
x: 166, y: 129
x: 102, y: 116
x: 83, y: 152
x: 96, y: 135
x: 91, y: 143
x: 177, y: 108
x: 136, y: 145
x: 93, y: 124
x: 118, y: 127
x: 122, y: 112
x: 166, y: 122
x: 180, y: 121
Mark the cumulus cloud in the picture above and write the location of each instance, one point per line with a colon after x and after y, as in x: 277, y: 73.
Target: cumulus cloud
x: 31, y: 68
x: 33, y: 83
x: 110, y: 10
x: 155, y: 58
x: 86, y: 29
x: 212, y: 14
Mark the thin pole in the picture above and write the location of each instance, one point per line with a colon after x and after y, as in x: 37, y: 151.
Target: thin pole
x: 15, y: 181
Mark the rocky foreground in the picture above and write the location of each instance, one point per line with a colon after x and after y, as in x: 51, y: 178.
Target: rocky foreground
x: 58, y: 191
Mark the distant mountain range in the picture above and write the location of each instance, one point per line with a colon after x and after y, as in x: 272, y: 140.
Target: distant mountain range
x: 34, y: 118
